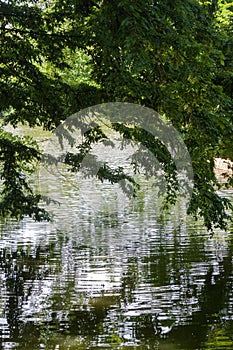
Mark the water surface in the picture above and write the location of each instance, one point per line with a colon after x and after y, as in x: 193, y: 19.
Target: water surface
x: 111, y: 272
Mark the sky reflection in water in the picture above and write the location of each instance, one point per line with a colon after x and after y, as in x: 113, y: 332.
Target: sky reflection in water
x: 119, y: 277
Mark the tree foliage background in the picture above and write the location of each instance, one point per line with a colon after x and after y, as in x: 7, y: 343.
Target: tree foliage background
x: 58, y: 57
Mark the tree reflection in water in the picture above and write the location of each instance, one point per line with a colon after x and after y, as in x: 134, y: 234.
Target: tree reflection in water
x: 168, y: 290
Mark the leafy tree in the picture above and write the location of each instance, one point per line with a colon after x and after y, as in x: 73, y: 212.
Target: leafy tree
x: 35, y: 37
x: 223, y: 23
x: 174, y: 57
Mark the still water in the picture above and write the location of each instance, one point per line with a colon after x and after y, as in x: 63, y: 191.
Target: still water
x: 114, y: 273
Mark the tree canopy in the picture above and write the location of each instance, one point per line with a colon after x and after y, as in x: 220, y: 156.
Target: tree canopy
x: 175, y: 57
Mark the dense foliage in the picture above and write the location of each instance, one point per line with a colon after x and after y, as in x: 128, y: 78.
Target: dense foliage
x: 175, y: 57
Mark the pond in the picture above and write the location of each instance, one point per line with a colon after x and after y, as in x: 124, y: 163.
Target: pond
x: 112, y: 272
